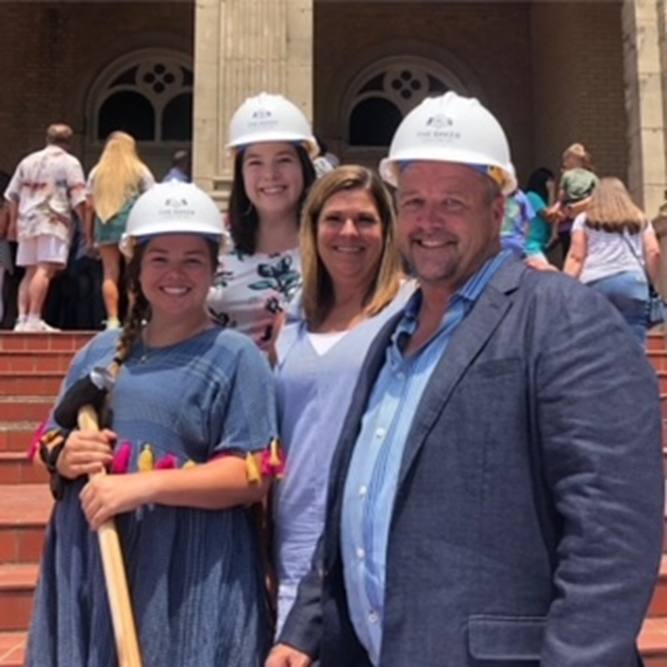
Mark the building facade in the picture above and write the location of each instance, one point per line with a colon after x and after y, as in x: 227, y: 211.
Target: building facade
x: 172, y: 72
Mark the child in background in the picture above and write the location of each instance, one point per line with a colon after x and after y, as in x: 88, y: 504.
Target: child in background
x: 577, y: 183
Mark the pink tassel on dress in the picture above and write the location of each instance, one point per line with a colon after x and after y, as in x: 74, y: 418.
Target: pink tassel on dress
x: 167, y: 462
x: 121, y: 458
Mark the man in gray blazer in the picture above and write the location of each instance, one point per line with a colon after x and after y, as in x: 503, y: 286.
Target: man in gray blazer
x: 496, y: 496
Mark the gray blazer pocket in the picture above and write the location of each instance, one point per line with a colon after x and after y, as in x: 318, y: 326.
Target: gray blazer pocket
x: 505, y: 637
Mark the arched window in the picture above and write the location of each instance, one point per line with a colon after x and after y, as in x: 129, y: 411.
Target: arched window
x: 146, y: 94
x: 384, y: 93
x: 113, y: 115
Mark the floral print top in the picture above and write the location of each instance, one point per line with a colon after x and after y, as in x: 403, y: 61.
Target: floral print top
x: 250, y: 291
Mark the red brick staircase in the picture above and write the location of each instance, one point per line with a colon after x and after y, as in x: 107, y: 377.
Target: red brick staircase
x: 31, y: 369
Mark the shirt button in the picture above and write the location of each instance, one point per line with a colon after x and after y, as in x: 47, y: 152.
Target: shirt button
x: 400, y: 375
x: 360, y: 553
x: 373, y: 617
x: 363, y: 490
x: 380, y: 433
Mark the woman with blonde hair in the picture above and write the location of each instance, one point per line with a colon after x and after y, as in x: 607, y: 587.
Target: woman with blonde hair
x: 614, y: 248
x: 351, y: 287
x: 114, y: 184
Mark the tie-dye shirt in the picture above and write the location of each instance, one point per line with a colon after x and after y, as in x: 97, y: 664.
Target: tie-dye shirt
x: 47, y: 186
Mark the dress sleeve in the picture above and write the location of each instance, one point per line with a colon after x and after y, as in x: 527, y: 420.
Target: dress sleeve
x: 147, y: 181
x: 90, y: 182
x: 249, y: 419
x: 579, y: 223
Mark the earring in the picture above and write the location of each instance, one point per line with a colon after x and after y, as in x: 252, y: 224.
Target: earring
x: 248, y: 210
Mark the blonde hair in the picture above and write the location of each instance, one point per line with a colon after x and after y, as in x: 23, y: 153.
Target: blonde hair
x: 117, y: 175
x: 318, y: 295
x: 611, y: 208
x: 583, y: 156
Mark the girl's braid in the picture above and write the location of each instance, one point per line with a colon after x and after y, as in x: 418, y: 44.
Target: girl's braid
x: 139, y: 312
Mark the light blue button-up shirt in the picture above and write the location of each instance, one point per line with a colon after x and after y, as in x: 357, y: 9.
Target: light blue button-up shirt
x: 370, y: 486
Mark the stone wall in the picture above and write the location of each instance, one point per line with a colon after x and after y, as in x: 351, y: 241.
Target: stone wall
x: 52, y: 52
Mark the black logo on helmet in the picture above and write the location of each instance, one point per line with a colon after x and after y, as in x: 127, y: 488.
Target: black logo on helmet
x: 439, y: 122
x: 260, y: 114
x: 176, y: 202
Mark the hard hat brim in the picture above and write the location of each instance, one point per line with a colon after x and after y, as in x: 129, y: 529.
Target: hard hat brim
x: 127, y: 242
x: 389, y: 167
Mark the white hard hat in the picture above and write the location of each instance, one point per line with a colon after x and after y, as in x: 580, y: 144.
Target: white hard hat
x: 172, y: 208
x: 266, y: 117
x: 451, y: 128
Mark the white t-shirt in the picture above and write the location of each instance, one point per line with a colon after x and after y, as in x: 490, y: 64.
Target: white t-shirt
x: 608, y: 252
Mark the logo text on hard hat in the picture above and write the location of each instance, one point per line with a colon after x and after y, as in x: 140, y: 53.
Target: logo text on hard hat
x: 439, y: 121
x: 173, y: 202
x: 261, y: 114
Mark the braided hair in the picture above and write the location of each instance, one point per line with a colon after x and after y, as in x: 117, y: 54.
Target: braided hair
x: 138, y: 315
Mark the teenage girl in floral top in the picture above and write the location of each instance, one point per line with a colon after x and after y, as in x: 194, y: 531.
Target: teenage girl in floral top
x: 257, y: 277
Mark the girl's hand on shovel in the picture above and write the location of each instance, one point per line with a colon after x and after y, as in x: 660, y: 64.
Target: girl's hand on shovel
x: 86, y: 453
x: 107, y: 495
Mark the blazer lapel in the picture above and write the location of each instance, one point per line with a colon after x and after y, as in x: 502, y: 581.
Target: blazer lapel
x: 467, y: 341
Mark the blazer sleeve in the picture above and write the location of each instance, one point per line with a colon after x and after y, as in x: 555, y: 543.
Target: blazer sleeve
x: 303, y: 626
x: 597, y: 408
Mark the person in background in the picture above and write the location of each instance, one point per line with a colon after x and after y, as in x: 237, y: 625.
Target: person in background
x: 46, y: 189
x: 272, y: 144
x: 6, y: 263
x: 324, y: 161
x: 113, y: 186
x: 516, y: 222
x: 496, y: 495
x: 578, y: 180
x: 351, y: 287
x: 613, y: 249
x: 192, y: 411
x: 180, y: 168
x: 540, y: 193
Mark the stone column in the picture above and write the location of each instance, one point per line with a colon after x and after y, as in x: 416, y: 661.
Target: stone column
x: 645, y: 103
x: 243, y: 47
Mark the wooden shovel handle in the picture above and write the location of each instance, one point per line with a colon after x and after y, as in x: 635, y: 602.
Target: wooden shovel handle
x: 127, y: 644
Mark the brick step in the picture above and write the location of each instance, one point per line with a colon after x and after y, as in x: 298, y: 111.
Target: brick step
x: 22, y: 383
x: 12, y: 648
x: 653, y: 642
x: 656, y: 340
x: 658, y: 606
x: 17, y: 436
x: 24, y: 512
x: 25, y: 408
x: 36, y: 360
x: 15, y: 468
x: 63, y: 341
x: 658, y: 359
x: 17, y: 585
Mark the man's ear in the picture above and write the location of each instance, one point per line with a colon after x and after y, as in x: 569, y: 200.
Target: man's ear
x: 498, y: 212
